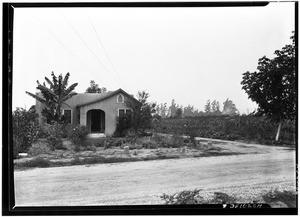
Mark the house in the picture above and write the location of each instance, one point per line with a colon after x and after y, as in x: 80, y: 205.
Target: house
x: 98, y: 112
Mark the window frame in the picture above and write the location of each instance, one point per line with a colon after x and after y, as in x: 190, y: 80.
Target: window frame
x: 63, y: 112
x: 122, y: 101
x: 124, y: 110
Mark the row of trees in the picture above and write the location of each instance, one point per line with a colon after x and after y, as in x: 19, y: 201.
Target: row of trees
x: 272, y: 87
x: 211, y: 108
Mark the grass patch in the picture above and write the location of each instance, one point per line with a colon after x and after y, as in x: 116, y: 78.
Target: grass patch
x: 35, y: 162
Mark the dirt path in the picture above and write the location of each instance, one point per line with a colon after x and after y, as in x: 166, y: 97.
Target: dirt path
x: 143, y: 182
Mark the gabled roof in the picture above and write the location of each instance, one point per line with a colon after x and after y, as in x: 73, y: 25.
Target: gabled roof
x: 100, y: 97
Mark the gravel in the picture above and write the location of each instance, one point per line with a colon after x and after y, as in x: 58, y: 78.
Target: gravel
x: 259, y: 169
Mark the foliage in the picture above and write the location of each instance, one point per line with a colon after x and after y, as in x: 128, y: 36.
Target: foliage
x: 141, y: 118
x: 142, y: 113
x: 207, y: 108
x: 94, y: 88
x: 250, y: 128
x: 229, y: 108
x: 54, y: 142
x: 184, y: 197
x: 173, y: 141
x: 194, y: 197
x: 40, y: 147
x: 287, y: 197
x: 78, y: 135
x: 178, y: 113
x: 123, y: 125
x: 54, y: 97
x: 162, y: 110
x: 215, y: 108
x: 273, y: 86
x: 25, y: 129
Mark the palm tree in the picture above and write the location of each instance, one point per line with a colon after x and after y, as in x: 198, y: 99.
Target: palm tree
x: 54, y: 96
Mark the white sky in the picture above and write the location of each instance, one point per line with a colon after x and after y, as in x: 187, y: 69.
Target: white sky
x: 189, y: 54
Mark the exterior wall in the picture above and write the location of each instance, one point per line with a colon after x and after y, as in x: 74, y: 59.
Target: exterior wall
x: 110, y: 107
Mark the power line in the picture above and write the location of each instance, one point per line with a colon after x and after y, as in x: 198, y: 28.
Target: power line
x: 61, y: 43
x: 109, y: 59
x: 90, y: 49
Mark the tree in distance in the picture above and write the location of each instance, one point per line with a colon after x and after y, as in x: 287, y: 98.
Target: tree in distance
x: 94, y: 88
x: 229, y: 108
x: 273, y: 85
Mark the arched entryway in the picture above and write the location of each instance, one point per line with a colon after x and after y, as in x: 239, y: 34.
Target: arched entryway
x: 96, y: 121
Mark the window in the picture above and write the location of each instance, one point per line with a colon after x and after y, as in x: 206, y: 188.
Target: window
x: 128, y: 111
x: 120, y: 98
x: 124, y: 111
x: 121, y: 112
x: 67, y: 116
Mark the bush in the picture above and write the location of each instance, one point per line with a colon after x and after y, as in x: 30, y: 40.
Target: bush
x: 194, y: 197
x: 168, y: 141
x: 184, y: 197
x: 54, y: 130
x: 78, y: 135
x: 54, y: 143
x: 149, y: 145
x: 25, y: 129
x: 287, y: 197
x: 39, y: 147
x: 123, y: 125
x: 16, y: 146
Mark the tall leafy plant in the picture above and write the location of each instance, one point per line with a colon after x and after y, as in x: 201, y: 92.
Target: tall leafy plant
x: 54, y: 96
x: 273, y: 85
x: 25, y: 129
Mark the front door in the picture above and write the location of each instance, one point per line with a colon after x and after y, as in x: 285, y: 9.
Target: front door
x: 97, y: 121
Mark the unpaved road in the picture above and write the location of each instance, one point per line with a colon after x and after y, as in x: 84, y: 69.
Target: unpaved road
x: 246, y: 176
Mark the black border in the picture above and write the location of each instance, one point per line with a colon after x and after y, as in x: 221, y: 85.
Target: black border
x: 8, y: 200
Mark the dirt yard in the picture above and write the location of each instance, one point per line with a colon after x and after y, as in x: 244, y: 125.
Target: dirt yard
x: 246, y: 176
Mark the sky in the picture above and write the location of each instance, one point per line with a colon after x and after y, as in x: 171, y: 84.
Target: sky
x: 188, y: 54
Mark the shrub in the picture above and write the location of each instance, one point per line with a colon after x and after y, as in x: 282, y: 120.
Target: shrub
x: 287, y: 197
x: 55, y: 130
x: 149, y: 145
x: 194, y: 197
x: 222, y: 198
x: 39, y: 147
x: 184, y: 197
x: 123, y: 125
x: 78, y: 135
x: 16, y: 146
x: 54, y: 143
x: 168, y: 141
x: 25, y: 129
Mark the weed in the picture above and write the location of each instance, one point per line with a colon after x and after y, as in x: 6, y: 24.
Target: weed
x: 287, y: 197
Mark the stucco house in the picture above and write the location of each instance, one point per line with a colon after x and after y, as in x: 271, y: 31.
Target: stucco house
x: 98, y: 112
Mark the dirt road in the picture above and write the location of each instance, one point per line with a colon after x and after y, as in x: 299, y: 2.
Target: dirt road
x: 247, y: 175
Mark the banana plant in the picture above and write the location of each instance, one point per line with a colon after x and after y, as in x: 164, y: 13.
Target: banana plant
x: 54, y: 96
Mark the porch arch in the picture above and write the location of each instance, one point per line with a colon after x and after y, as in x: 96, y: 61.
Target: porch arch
x: 95, y: 120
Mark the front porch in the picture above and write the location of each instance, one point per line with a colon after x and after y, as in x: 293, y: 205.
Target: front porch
x: 96, y: 135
